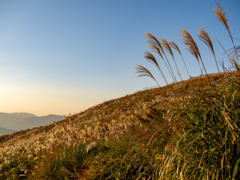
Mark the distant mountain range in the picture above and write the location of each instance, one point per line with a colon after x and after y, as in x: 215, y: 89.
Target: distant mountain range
x: 10, y: 122
x: 5, y: 131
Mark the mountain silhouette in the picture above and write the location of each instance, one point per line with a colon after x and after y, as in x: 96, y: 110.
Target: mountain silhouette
x: 38, y: 121
x: 20, y: 121
x: 5, y: 131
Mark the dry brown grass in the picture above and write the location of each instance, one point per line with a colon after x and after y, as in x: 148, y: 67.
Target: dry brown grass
x: 174, y: 46
x: 151, y: 58
x: 187, y: 39
x: 156, y: 46
x: 152, y: 41
x: 204, y: 37
x: 221, y: 16
x: 168, y: 49
x: 144, y: 72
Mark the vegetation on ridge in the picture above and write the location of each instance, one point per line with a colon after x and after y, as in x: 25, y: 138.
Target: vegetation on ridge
x: 185, y: 130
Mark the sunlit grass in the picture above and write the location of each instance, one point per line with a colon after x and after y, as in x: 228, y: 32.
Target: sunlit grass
x: 185, y: 130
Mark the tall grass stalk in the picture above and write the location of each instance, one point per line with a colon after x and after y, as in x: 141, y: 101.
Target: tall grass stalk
x: 156, y: 46
x: 168, y: 61
x: 174, y: 46
x: 221, y: 16
x: 204, y: 37
x: 167, y: 48
x: 192, y: 46
x: 151, y: 58
x: 144, y: 72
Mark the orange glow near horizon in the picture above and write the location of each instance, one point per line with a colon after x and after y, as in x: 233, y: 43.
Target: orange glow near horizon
x: 51, y: 100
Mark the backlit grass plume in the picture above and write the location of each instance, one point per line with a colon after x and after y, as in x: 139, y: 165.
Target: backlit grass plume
x: 156, y: 46
x: 221, y: 16
x: 204, y: 37
x: 174, y: 46
x: 168, y: 49
x: 187, y: 39
x: 152, y: 40
x: 144, y: 72
x: 152, y: 59
x: 157, y: 50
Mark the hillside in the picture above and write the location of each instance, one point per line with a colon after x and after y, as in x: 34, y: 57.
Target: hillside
x: 99, y: 133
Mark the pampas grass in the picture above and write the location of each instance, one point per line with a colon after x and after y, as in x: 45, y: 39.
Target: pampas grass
x: 204, y: 37
x: 151, y: 58
x: 221, y: 16
x: 144, y: 72
x: 192, y: 47
x: 168, y: 49
x: 156, y: 46
x: 157, y: 50
x: 152, y: 40
x: 174, y: 46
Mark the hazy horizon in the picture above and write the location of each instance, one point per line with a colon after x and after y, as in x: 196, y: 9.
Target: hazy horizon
x: 22, y: 121
x: 61, y: 57
x: 30, y: 113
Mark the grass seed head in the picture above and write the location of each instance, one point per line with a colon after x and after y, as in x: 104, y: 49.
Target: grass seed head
x: 187, y: 39
x: 221, y: 16
x: 204, y: 37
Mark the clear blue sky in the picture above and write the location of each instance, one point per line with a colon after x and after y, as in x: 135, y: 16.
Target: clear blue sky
x: 64, y: 56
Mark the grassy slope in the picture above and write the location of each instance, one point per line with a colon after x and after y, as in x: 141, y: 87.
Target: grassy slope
x: 140, y: 130
x: 122, y: 104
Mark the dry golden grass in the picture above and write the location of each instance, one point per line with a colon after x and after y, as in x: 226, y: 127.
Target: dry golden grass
x: 144, y: 72
x: 152, y: 40
x: 204, y: 37
x: 156, y: 50
x: 156, y: 46
x: 187, y: 39
x: 174, y: 46
x: 151, y: 58
x: 221, y: 16
x: 168, y: 49
x: 151, y: 120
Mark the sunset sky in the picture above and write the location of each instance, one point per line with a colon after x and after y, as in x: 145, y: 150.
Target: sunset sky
x: 61, y: 57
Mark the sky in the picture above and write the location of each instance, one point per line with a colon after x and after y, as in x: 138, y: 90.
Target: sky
x: 61, y: 57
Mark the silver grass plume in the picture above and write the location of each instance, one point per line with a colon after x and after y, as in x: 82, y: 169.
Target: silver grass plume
x: 152, y: 59
x: 144, y: 72
x: 221, y: 16
x: 187, y: 39
x: 156, y: 46
x: 174, y: 46
x: 168, y: 49
x: 204, y: 37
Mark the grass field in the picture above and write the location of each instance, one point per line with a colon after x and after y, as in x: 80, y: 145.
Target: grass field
x: 184, y: 130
